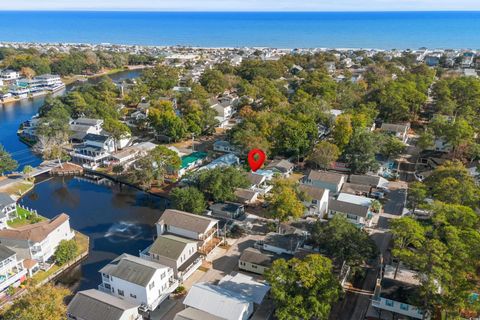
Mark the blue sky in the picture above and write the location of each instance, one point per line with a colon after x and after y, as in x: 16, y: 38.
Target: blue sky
x: 242, y: 5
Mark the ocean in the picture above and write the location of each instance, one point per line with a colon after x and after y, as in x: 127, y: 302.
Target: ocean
x: 383, y: 30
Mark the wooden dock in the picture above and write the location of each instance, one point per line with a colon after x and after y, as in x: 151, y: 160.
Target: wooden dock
x: 67, y: 169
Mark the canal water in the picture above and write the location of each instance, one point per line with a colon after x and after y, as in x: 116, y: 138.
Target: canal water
x: 117, y: 218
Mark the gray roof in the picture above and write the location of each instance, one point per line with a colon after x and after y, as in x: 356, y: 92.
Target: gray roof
x: 365, y: 180
x: 400, y: 128
x: 324, y: 176
x: 169, y: 246
x: 96, y: 137
x: 186, y: 220
x: 195, y: 314
x: 5, y: 200
x: 132, y: 269
x: 5, y: 252
x: 255, y: 178
x: 225, y: 207
x: 354, y: 188
x: 257, y: 257
x: 289, y: 242
x: 282, y: 165
x: 245, y: 194
x: 313, y: 192
x: 347, y: 207
x: 96, y: 305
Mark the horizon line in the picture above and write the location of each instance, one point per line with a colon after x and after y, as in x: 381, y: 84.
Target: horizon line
x: 152, y: 10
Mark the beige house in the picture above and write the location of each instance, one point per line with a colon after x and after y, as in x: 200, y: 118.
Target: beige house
x: 255, y: 261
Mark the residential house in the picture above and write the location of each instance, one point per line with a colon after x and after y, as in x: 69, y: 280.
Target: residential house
x: 225, y: 111
x: 394, y: 293
x: 95, y: 150
x: 326, y: 180
x: 12, y: 270
x: 227, y: 160
x: 254, y: 260
x: 180, y: 254
x: 82, y: 126
x: 195, y: 314
x: 191, y: 161
x: 258, y: 182
x: 356, y: 189
x: 224, y: 146
x: 318, y: 203
x: 97, y: 305
x: 138, y: 280
x: 8, y: 209
x: 283, y: 167
x: 38, y: 241
x: 398, y: 130
x: 281, y: 243
x: 9, y: 75
x: 246, y: 196
x: 228, y: 210
x: 355, y: 213
x: 191, y: 226
x: 368, y: 180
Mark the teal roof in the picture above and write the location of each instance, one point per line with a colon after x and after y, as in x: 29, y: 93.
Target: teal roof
x: 191, y: 158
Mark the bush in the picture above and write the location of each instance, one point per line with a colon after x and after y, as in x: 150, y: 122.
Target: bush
x: 66, y: 251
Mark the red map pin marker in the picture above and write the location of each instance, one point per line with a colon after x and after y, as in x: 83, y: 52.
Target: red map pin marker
x: 256, y: 158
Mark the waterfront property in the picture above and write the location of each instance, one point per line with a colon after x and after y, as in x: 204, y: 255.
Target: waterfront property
x: 95, y: 150
x: 38, y: 241
x: 138, y: 280
x: 96, y: 305
x: 191, y: 161
x: 8, y: 209
x: 82, y: 126
x: 191, y: 226
x: 179, y: 253
x: 12, y: 270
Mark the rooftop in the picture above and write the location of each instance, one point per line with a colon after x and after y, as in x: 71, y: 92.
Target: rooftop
x: 351, y: 198
x: 186, y: 220
x: 5, y: 253
x: 325, y: 176
x: 5, y: 200
x: 36, y: 232
x: 313, y: 192
x: 191, y: 158
x: 195, y: 314
x: 169, y: 246
x: 255, y: 256
x: 348, y: 208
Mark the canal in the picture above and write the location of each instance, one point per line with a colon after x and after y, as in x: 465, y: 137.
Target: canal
x: 117, y: 218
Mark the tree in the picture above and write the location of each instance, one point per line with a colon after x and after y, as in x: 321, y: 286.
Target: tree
x: 66, y: 251
x: 342, y: 131
x: 426, y: 140
x: 285, y: 200
x: 390, y: 146
x: 27, y: 170
x: 118, y: 169
x: 188, y: 199
x: 303, y: 289
x: 343, y: 242
x: 417, y: 193
x: 163, y: 160
x: 7, y: 163
x: 213, y: 81
x: 219, y: 184
x: 117, y: 129
x: 45, y: 302
x: 360, y: 152
x: 324, y: 153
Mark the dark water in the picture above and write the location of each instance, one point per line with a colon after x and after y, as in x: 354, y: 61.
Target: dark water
x: 117, y: 219
x: 385, y: 30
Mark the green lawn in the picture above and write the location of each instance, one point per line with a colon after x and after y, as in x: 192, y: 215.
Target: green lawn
x: 24, y: 217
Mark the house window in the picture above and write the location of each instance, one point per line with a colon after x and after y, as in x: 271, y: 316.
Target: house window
x: 133, y: 296
x: 151, y: 285
x: 107, y: 286
x: 121, y: 293
x: 162, y: 276
x: 404, y: 306
x: 352, y: 217
x: 254, y: 266
x: 389, y: 303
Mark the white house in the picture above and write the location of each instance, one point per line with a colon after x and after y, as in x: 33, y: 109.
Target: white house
x: 95, y: 150
x: 82, y: 126
x: 355, y: 213
x: 318, y: 204
x: 12, y: 271
x: 40, y: 240
x: 191, y: 226
x: 96, y: 305
x: 327, y: 180
x: 179, y: 253
x: 395, y: 290
x: 8, y: 209
x: 225, y: 112
x: 9, y: 75
x: 398, y: 130
x: 138, y: 280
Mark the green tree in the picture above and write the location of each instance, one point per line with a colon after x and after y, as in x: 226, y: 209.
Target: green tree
x: 219, y: 184
x: 66, y: 251
x: 342, y: 131
x: 324, y: 153
x: 343, y: 242
x: 390, y: 146
x: 416, y: 196
x: 46, y: 302
x: 285, y: 201
x: 7, y: 163
x: 303, y: 289
x: 360, y: 152
x: 116, y: 129
x: 214, y: 81
x: 188, y: 199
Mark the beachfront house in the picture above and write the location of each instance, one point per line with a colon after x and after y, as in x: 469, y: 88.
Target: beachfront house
x: 190, y: 226
x: 317, y: 203
x: 12, y: 270
x: 180, y: 254
x: 95, y: 150
x: 97, y: 305
x: 138, y: 281
x: 8, y: 209
x: 326, y: 180
x: 38, y: 241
